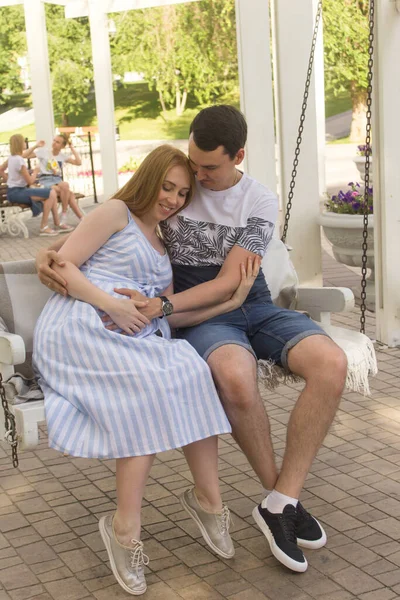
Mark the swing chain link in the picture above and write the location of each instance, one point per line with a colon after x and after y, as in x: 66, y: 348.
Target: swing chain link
x: 301, y: 126
x: 9, y: 425
x: 367, y: 189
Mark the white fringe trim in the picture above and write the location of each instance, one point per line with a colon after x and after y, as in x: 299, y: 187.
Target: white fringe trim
x: 361, y: 361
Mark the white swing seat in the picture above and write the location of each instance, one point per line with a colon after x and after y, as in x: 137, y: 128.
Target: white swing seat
x: 22, y: 298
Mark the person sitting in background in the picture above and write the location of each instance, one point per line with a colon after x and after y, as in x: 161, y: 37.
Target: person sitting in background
x: 51, y: 163
x: 18, y: 191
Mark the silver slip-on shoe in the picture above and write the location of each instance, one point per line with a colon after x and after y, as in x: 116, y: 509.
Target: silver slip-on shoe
x: 126, y: 563
x: 214, y: 527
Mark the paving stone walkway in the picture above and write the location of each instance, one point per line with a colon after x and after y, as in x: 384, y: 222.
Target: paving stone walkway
x: 50, y: 548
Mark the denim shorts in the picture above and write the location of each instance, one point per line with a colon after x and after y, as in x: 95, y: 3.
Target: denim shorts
x: 47, y: 181
x: 23, y: 195
x: 265, y: 330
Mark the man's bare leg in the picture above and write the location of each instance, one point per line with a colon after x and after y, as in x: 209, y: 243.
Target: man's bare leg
x: 62, y: 190
x: 324, y: 367
x: 235, y: 373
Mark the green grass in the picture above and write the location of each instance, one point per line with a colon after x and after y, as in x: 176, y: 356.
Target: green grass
x: 139, y: 117
x: 137, y: 113
x: 334, y: 105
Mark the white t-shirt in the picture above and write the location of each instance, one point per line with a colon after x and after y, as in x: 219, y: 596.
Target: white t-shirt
x: 204, y: 233
x: 48, y: 162
x: 15, y: 164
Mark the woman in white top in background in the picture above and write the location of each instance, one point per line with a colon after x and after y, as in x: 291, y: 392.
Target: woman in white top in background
x: 18, y: 191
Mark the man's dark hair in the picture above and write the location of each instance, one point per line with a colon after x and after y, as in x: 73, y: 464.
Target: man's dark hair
x: 220, y: 125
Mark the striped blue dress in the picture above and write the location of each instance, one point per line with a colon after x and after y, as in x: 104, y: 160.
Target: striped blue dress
x: 109, y: 395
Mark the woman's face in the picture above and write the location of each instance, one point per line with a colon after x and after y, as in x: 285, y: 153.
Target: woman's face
x: 173, y: 193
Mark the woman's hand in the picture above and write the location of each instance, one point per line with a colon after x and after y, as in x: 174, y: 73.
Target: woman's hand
x: 249, y: 276
x: 124, y: 315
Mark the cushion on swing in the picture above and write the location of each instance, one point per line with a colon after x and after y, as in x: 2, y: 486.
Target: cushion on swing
x: 361, y: 362
x: 280, y: 274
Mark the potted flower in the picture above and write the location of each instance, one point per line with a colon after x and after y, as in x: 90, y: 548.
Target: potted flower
x: 360, y: 161
x: 343, y: 224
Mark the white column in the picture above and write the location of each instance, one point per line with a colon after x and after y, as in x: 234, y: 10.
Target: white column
x: 104, y: 96
x: 256, y: 98
x: 36, y: 36
x: 386, y: 157
x: 293, y: 29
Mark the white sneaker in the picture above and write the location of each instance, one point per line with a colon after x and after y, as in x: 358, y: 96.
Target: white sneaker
x: 127, y: 563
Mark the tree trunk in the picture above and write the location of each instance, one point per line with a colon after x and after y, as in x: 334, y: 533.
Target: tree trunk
x: 359, y: 117
x: 161, y: 98
x: 64, y: 118
x: 178, y: 101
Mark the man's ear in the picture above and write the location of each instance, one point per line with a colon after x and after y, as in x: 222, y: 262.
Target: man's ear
x: 239, y: 156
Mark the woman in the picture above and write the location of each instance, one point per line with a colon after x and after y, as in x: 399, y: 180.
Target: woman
x: 50, y: 169
x: 131, y: 392
x: 19, y: 192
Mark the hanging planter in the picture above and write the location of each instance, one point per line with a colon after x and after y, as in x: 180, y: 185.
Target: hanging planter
x: 343, y: 223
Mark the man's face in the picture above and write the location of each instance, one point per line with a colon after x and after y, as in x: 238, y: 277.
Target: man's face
x: 214, y: 170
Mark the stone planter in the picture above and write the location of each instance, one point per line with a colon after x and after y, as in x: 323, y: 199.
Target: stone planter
x: 360, y: 164
x: 345, y: 233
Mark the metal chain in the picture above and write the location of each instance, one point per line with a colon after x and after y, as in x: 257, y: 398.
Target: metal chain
x: 301, y: 126
x: 367, y: 193
x: 9, y: 425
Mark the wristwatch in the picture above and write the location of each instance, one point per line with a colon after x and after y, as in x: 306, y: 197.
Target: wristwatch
x: 167, y: 307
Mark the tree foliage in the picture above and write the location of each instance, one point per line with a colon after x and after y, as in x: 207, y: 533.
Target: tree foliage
x: 346, y: 54
x: 12, y: 46
x: 70, y: 57
x: 180, y: 49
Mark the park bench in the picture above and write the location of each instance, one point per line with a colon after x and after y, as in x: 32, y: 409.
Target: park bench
x: 11, y: 214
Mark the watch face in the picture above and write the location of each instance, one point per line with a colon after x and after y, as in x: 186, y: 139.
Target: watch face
x: 167, y: 308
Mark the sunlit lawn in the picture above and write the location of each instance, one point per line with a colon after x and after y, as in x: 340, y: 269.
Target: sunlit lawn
x: 139, y: 117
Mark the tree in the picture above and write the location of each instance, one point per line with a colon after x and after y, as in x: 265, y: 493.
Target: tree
x: 70, y: 57
x: 12, y: 46
x: 181, y: 49
x: 346, y: 55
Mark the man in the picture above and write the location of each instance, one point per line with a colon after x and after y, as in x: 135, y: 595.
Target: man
x: 231, y: 218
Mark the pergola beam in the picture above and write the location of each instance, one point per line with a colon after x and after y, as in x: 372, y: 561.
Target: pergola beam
x: 256, y: 98
x: 80, y: 8
x: 295, y: 21
x: 386, y: 135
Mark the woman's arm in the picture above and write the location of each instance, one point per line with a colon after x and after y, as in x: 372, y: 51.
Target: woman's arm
x: 30, y: 179
x: 94, y: 231
x: 194, y: 317
x: 30, y: 152
x: 76, y: 160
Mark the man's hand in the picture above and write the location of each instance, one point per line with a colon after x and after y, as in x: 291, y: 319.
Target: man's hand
x: 124, y: 315
x: 139, y: 302
x: 151, y: 310
x: 47, y: 275
x: 40, y: 144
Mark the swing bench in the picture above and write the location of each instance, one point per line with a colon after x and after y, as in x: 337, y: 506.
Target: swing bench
x: 22, y: 298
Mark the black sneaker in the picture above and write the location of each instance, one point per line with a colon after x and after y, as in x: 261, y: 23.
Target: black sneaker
x: 309, y: 532
x: 280, y: 531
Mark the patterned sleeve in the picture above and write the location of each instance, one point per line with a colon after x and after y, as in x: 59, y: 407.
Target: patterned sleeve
x: 260, y: 226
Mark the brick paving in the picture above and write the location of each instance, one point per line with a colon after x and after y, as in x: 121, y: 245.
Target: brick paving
x: 50, y: 547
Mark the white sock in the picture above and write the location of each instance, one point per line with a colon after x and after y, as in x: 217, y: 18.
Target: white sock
x: 275, y: 502
x: 265, y: 493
